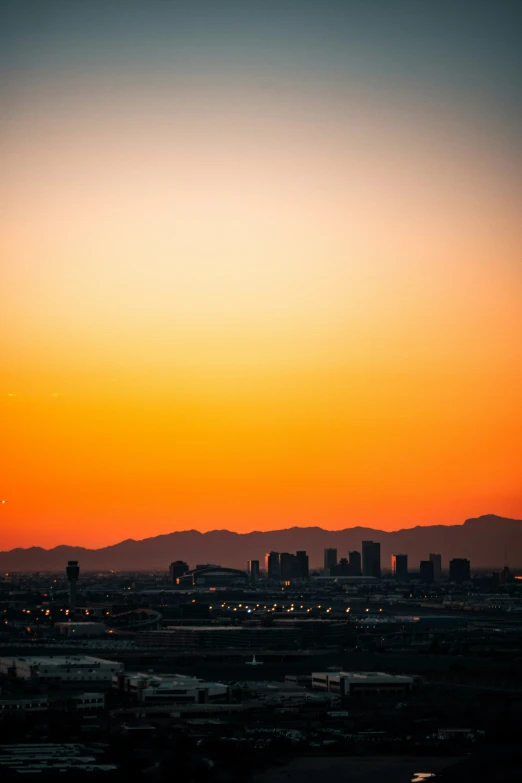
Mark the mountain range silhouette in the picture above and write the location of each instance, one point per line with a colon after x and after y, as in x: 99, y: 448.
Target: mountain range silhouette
x: 488, y: 541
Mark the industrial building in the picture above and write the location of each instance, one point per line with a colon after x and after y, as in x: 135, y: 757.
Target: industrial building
x: 51, y: 758
x: 70, y: 668
x: 166, y: 688
x: 284, y: 634
x: 83, y: 702
x: 80, y: 630
x: 212, y: 637
x: 361, y: 683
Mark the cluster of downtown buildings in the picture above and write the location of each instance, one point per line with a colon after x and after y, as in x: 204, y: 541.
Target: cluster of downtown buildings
x: 287, y: 568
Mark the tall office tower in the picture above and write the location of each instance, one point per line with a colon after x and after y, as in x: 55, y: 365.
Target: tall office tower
x: 330, y: 560
x: 437, y: 566
x: 253, y: 570
x: 354, y: 558
x: 399, y: 564
x: 302, y: 564
x: 73, y: 572
x: 371, y: 559
x: 427, y: 571
x: 286, y: 566
x: 459, y: 570
x: 177, y: 569
x: 272, y: 566
x: 376, y: 560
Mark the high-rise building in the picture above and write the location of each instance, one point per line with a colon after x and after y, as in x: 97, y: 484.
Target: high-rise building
x: 354, y: 559
x: 437, y: 566
x: 73, y: 572
x: 459, y: 570
x: 399, y: 564
x: 342, y: 568
x: 253, y: 570
x: 177, y: 569
x: 302, y: 564
x: 272, y: 566
x: 371, y: 559
x: 330, y: 560
x: 286, y: 566
x: 427, y: 571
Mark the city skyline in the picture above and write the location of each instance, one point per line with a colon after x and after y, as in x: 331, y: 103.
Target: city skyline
x: 489, y: 542
x: 261, y: 266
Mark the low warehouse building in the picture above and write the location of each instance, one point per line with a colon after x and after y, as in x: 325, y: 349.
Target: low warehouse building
x: 362, y: 683
x: 64, y: 668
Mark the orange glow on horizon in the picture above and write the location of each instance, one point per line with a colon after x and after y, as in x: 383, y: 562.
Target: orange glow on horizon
x: 222, y: 308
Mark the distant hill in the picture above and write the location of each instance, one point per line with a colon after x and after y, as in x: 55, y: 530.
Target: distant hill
x: 484, y: 541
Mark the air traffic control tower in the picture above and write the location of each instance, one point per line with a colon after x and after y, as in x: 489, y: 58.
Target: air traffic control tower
x: 73, y: 572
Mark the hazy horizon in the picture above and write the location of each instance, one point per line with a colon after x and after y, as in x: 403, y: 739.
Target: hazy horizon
x: 267, y: 530
x: 263, y: 265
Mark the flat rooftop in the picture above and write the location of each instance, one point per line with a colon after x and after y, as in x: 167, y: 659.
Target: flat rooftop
x: 255, y: 629
x: 365, y: 676
x: 58, y: 660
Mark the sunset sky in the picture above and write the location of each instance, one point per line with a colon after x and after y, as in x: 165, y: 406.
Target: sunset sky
x: 261, y: 265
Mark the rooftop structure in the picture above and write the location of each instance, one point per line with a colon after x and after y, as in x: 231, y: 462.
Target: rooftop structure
x: 353, y: 683
x: 220, y: 636
x: 75, y: 668
x: 166, y: 688
x: 279, y: 636
x: 51, y: 757
x: 83, y: 702
x: 77, y: 630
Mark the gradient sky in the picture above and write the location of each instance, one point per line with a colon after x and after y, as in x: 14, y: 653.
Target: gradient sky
x: 262, y: 265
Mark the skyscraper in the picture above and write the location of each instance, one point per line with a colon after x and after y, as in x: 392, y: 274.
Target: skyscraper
x: 177, y: 569
x: 427, y: 571
x: 354, y: 559
x: 371, y: 559
x: 286, y: 566
x: 272, y: 566
x: 459, y: 570
x: 437, y: 567
x: 399, y: 566
x: 253, y: 570
x: 330, y: 560
x: 302, y: 564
